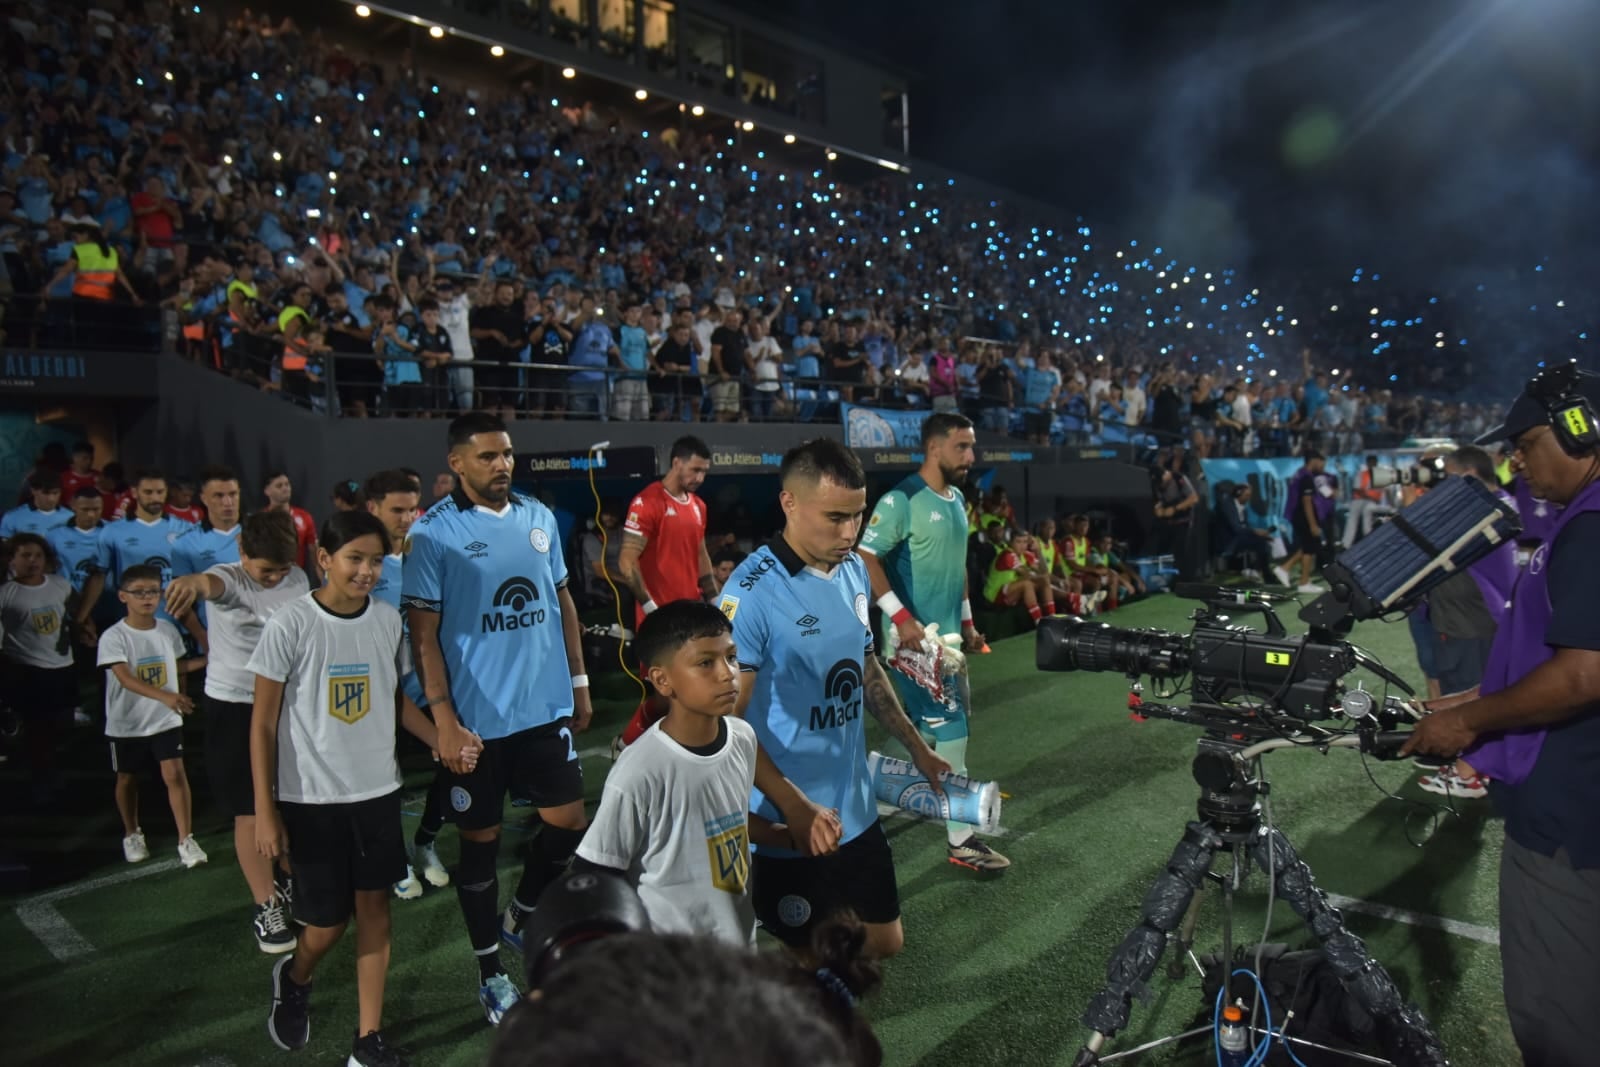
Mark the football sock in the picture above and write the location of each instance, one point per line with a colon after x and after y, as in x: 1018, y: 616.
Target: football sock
x: 1033, y: 613
x: 1049, y: 607
x: 955, y: 754
x: 478, y: 890
x: 432, y: 811
x: 650, y: 709
x: 548, y: 856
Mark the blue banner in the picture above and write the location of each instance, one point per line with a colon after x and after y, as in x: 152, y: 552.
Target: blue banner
x: 1270, y: 478
x: 866, y: 427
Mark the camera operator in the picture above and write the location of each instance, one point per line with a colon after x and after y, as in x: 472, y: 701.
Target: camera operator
x: 1534, y: 727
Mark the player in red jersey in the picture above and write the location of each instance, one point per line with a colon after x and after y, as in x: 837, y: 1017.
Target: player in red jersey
x: 664, y: 555
x: 279, y: 490
x: 181, y: 503
x: 81, y: 475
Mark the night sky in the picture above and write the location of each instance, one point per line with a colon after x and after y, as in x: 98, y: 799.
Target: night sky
x: 1418, y: 138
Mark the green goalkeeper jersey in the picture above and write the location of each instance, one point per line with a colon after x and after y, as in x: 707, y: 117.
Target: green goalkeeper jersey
x: 920, y: 537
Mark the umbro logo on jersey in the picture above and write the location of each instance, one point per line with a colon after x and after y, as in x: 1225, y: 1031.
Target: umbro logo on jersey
x: 808, y: 625
x: 477, y: 550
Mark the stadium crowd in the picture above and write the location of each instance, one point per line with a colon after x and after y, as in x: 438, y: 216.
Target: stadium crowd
x: 359, y: 236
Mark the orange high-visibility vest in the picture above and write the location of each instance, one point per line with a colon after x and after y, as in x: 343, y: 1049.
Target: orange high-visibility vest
x: 292, y: 360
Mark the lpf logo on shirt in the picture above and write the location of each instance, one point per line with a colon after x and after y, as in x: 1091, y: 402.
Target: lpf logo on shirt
x: 728, y: 849
x: 152, y: 671
x: 349, y: 691
x: 46, y: 621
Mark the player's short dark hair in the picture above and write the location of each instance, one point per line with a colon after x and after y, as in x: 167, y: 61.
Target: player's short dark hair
x: 463, y: 428
x: 19, y: 540
x: 1476, y: 460
x: 273, y: 474
x: 82, y: 448
x: 688, y: 447
x: 729, y: 555
x: 383, y: 483
x: 149, y: 474
x: 139, y: 572
x: 343, y: 527
x: 943, y: 424
x: 269, y: 536
x: 674, y: 625
x: 44, y: 480
x: 414, y: 475
x: 216, y: 472
x: 819, y: 458
x: 348, y: 492
x: 86, y: 492
x: 690, y: 992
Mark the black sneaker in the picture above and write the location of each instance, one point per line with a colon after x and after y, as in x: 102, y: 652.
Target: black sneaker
x: 289, y: 1022
x: 272, y: 927
x: 370, y: 1051
x: 283, y: 885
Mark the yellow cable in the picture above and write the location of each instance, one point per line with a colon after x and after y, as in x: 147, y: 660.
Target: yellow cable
x: 616, y: 594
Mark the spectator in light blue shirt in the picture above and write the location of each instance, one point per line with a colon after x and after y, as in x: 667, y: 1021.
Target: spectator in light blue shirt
x: 592, y: 346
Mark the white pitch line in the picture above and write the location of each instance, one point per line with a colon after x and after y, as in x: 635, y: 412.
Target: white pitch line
x: 1488, y: 935
x: 595, y: 750
x: 40, y: 916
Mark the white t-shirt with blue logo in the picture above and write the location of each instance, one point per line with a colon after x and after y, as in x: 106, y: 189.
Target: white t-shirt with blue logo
x: 336, y: 731
x: 803, y: 640
x: 152, y: 655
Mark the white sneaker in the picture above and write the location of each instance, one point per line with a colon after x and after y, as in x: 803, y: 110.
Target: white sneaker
x: 190, y: 852
x: 1281, y: 574
x: 134, y: 850
x: 1309, y: 588
x: 1250, y: 575
x: 81, y: 718
x: 408, y: 888
x: 425, y: 858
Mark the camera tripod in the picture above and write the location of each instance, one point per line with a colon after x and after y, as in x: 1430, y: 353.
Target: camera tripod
x: 1226, y: 768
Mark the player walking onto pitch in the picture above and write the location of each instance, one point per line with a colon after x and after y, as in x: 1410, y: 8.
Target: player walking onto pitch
x: 915, y: 551
x: 497, y: 645
x: 664, y: 555
x: 799, y: 611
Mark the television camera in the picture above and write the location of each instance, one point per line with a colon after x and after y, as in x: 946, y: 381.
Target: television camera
x: 1253, y: 691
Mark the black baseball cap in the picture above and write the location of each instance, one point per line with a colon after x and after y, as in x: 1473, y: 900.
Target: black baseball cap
x: 1528, y: 411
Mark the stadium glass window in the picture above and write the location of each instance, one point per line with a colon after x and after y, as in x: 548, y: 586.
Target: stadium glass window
x: 618, y: 22
x: 569, y: 21
x: 708, y: 53
x: 660, y: 33
x: 780, y: 78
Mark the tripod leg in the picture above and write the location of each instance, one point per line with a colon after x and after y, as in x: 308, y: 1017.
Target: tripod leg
x: 1404, y: 1031
x: 1165, y: 906
x: 1185, y: 942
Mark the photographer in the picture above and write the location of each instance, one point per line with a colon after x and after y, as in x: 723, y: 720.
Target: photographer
x: 1175, y: 501
x: 1534, y: 727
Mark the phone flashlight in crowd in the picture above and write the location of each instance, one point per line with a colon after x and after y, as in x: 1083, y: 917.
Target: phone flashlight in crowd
x: 289, y: 260
x: 313, y: 213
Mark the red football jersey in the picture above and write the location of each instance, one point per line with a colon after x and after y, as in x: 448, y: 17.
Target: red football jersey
x: 305, y: 532
x: 675, y: 533
x: 72, y: 481
x: 191, y: 514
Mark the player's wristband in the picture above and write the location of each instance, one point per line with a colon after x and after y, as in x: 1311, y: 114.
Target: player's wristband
x: 648, y: 606
x: 897, y: 612
x: 966, y: 612
x: 580, y: 681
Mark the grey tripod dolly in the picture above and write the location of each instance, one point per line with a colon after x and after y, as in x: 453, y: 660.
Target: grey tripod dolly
x: 1227, y: 769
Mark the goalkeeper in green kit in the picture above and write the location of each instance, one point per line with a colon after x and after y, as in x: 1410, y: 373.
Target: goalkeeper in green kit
x: 915, y: 551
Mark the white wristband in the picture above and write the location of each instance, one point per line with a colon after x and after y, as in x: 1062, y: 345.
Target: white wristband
x: 966, y: 612
x: 580, y: 681
x: 648, y: 606
x: 890, y: 604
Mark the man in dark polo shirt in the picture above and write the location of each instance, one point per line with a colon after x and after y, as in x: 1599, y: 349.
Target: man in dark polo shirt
x: 1533, y: 728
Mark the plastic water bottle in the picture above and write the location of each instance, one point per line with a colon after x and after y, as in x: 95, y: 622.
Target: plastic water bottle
x: 1233, y: 1039
x: 897, y: 782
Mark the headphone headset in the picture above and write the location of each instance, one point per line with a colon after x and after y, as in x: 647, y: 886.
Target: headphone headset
x: 1572, y: 418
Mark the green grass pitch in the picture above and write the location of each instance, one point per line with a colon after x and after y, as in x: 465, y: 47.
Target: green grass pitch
x: 996, y: 969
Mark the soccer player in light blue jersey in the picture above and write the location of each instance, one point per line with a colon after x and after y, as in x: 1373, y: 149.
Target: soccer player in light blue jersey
x: 498, y: 646
x: 799, y: 611
x: 82, y: 555
x: 149, y: 536
x: 915, y: 550
x: 214, y: 540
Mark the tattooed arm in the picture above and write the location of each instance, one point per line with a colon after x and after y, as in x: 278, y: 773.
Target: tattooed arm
x: 884, y: 705
x: 633, y: 546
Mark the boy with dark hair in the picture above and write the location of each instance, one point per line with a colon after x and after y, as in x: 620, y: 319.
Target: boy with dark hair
x: 145, y: 663
x: 434, y: 350
x: 699, y: 764
x: 42, y: 512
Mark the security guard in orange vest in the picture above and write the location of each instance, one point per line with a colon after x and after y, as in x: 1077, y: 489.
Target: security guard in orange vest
x: 94, y: 267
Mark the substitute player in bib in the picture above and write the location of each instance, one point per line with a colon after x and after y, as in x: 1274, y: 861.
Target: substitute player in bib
x: 799, y: 611
x: 327, y: 785
x: 664, y: 555
x: 915, y: 552
x: 394, y: 497
x: 498, y: 646
x: 242, y: 597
